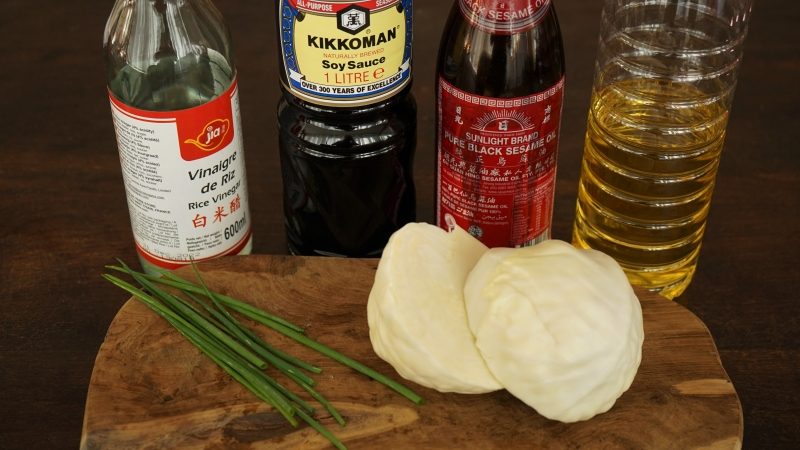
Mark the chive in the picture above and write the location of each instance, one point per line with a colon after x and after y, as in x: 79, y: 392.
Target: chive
x: 244, y: 334
x: 194, y: 316
x: 282, y: 355
x: 325, y: 404
x: 321, y: 430
x: 225, y: 359
x: 286, y: 392
x: 254, y: 339
x: 235, y: 328
x: 238, y: 350
x: 227, y: 300
x: 264, y: 387
x: 172, y: 280
x: 249, y: 372
x: 240, y: 330
x: 336, y: 356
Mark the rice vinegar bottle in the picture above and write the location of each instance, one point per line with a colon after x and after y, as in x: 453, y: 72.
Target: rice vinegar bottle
x: 175, y: 107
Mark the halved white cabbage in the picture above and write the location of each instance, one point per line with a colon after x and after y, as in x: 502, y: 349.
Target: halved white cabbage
x: 560, y: 328
x: 417, y: 320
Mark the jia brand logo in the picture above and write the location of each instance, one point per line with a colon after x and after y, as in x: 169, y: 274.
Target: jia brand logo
x: 353, y: 19
x: 213, y: 135
x: 207, y: 129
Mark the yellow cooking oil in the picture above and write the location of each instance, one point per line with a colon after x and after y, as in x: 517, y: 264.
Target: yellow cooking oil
x: 650, y: 160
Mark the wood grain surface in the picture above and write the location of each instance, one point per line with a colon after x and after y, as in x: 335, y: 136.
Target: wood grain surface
x: 151, y: 389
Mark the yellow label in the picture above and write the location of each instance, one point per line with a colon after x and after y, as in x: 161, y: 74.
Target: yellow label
x: 346, y: 53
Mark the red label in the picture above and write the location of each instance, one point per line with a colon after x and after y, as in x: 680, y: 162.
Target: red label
x: 504, y: 16
x: 202, y: 131
x: 497, y: 164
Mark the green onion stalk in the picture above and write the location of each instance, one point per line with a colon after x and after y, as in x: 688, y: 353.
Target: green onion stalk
x: 205, y: 318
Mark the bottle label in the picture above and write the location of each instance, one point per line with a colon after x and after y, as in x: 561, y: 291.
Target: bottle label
x: 346, y: 52
x: 185, y: 180
x: 504, y: 16
x: 497, y: 164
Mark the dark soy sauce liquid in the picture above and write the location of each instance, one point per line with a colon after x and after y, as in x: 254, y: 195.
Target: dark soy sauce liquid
x: 347, y: 174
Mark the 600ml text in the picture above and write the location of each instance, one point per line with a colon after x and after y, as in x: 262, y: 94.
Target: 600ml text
x: 237, y: 227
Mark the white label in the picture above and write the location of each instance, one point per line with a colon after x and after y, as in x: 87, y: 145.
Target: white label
x: 185, y: 180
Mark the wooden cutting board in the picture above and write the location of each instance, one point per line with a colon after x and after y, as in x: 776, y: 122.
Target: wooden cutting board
x: 151, y: 389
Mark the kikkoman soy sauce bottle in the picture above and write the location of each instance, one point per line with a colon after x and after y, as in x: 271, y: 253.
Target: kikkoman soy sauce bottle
x: 175, y: 105
x: 347, y: 124
x: 500, y: 88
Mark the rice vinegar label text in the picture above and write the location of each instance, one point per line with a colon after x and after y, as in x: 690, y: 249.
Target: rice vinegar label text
x: 497, y: 164
x: 185, y: 180
x: 346, y: 53
x: 504, y: 16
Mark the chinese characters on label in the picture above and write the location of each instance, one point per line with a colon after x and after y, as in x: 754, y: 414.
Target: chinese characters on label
x: 185, y: 180
x: 497, y: 164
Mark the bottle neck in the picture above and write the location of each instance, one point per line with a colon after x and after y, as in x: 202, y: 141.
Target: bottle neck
x: 501, y: 65
x: 167, y: 54
x: 143, y: 31
x: 504, y: 17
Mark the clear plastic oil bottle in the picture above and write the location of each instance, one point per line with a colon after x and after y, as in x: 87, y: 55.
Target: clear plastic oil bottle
x: 663, y: 89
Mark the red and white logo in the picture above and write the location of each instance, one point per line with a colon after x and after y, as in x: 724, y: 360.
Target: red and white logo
x: 213, y: 135
x: 202, y: 131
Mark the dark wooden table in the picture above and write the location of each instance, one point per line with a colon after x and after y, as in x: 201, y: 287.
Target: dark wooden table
x: 63, y: 214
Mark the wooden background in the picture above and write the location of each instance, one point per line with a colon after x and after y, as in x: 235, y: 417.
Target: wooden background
x: 63, y: 213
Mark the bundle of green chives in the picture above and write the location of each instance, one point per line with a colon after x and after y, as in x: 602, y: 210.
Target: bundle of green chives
x: 205, y: 319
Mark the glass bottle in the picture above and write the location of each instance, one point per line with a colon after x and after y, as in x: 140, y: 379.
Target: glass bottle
x: 500, y: 89
x: 347, y: 124
x: 174, y: 100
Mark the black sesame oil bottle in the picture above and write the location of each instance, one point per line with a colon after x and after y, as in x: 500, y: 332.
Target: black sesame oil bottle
x: 347, y: 124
